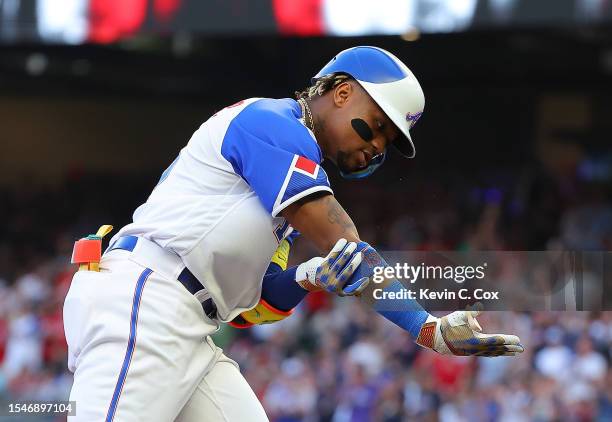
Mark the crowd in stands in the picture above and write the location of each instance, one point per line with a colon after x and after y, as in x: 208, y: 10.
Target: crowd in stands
x: 334, y: 359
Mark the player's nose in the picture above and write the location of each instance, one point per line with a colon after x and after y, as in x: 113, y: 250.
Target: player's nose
x: 379, y: 144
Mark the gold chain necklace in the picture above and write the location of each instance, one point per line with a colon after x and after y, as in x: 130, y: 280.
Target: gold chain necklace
x: 306, y: 112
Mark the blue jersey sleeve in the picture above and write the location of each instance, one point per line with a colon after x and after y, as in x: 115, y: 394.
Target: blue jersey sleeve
x: 274, y: 153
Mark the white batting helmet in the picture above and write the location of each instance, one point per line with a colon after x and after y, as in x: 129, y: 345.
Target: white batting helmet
x: 390, y: 84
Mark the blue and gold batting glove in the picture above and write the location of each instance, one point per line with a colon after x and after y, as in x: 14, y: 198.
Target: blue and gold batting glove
x: 334, y: 273
x: 460, y: 334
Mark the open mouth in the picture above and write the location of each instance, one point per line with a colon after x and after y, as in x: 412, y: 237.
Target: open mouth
x: 363, y: 162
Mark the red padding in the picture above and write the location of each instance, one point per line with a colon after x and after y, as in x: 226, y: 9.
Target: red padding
x: 235, y: 324
x: 86, y: 250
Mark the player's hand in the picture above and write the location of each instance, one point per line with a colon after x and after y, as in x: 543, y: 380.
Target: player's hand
x: 460, y: 334
x: 334, y: 273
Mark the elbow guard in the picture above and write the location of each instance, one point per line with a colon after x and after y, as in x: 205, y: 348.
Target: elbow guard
x: 263, y: 313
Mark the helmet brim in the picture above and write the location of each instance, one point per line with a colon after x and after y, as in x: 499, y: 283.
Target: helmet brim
x: 378, y: 92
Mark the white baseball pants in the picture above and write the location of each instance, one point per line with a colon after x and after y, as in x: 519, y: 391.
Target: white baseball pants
x: 140, y: 350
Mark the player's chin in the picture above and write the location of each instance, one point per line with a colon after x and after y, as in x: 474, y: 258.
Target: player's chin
x: 352, y: 162
x: 352, y: 168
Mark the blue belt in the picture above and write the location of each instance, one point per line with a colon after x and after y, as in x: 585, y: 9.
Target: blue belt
x: 186, y: 277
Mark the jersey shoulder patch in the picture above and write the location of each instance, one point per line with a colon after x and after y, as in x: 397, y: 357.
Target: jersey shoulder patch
x: 274, y: 153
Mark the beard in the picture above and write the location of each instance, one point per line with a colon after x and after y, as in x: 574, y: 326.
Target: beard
x: 342, y: 162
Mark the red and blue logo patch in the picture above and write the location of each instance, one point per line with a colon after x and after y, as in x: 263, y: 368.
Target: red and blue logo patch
x: 304, y: 175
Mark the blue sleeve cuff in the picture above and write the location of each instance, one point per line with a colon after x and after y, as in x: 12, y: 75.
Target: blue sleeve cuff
x: 406, y: 313
x: 280, y: 290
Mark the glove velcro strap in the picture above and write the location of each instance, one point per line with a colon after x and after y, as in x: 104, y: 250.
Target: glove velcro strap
x: 427, y: 335
x: 307, y: 285
x: 264, y: 313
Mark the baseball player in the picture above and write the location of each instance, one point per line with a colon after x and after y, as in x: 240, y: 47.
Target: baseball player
x: 210, y: 246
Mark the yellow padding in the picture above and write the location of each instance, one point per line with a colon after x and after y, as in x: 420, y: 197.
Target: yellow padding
x: 90, y: 266
x: 104, y: 230
x: 281, y: 255
x: 264, y: 313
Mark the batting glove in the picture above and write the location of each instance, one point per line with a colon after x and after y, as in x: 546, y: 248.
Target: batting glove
x: 334, y: 272
x: 460, y: 334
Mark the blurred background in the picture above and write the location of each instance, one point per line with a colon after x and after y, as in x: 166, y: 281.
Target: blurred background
x: 98, y: 96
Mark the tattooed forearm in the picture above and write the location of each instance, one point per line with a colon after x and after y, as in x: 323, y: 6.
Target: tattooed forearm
x: 322, y: 220
x: 337, y: 215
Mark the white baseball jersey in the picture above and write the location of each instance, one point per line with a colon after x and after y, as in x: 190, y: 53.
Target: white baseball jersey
x: 217, y: 204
